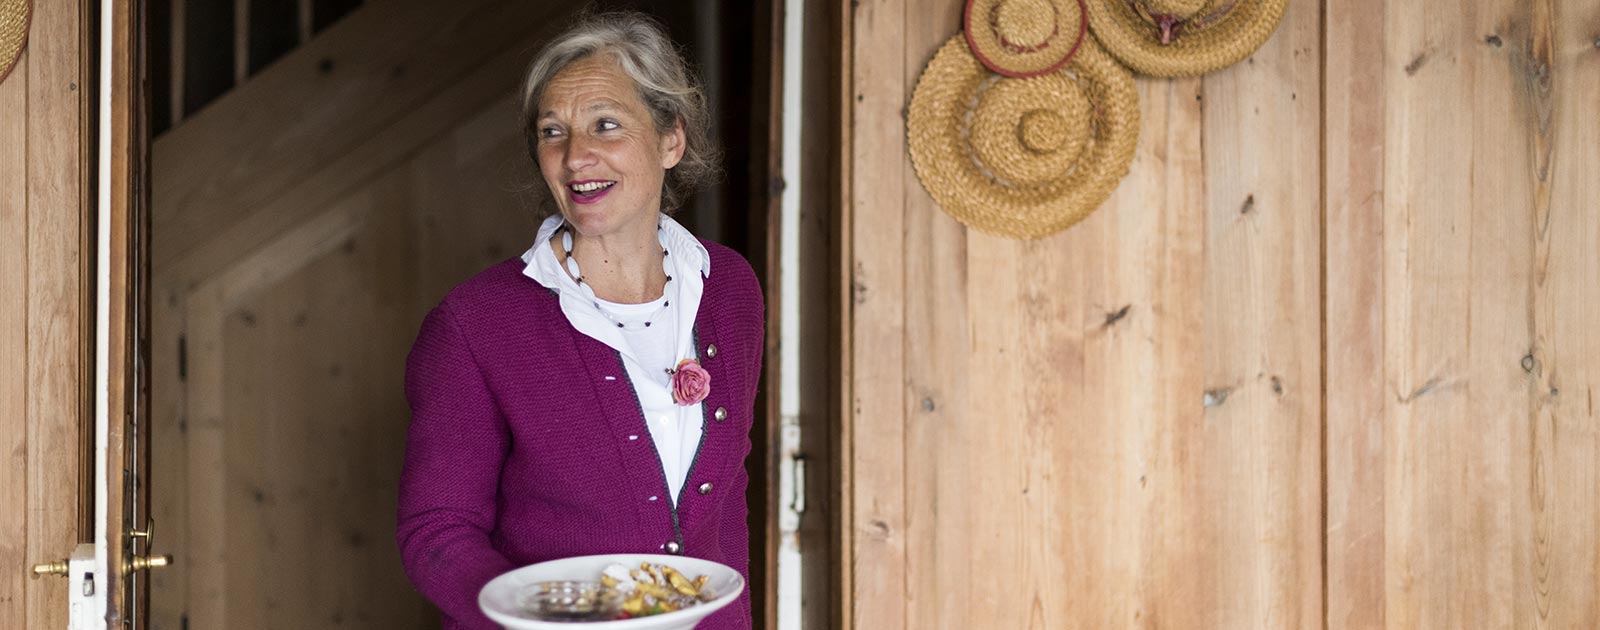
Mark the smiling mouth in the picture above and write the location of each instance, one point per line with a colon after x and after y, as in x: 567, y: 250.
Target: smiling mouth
x: 588, y: 190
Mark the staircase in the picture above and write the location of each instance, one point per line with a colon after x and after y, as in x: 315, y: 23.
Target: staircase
x: 201, y: 49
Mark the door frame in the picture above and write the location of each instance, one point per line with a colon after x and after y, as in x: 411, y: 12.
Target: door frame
x: 764, y: 191
x: 122, y: 448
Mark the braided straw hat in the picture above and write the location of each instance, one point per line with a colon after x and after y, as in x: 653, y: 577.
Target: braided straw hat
x: 14, y: 18
x: 1025, y: 38
x: 1183, y: 38
x: 1023, y: 158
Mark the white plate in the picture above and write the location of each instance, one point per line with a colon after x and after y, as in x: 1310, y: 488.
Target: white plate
x: 499, y: 597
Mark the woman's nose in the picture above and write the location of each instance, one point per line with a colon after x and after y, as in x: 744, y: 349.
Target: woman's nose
x: 580, y: 153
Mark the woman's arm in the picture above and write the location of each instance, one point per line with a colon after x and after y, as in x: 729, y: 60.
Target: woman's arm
x: 455, y: 448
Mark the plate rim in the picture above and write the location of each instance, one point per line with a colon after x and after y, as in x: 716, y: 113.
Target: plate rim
x: 697, y: 612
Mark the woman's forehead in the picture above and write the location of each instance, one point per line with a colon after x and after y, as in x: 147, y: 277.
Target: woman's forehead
x: 590, y: 83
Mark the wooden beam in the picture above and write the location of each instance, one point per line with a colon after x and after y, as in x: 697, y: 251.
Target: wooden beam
x: 178, y: 68
x: 305, y: 18
x: 241, y: 42
x: 842, y: 328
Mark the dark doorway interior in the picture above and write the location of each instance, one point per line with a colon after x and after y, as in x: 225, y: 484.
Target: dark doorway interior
x: 205, y: 58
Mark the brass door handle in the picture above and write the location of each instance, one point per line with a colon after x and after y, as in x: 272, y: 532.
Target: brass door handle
x: 142, y: 563
x: 51, y: 568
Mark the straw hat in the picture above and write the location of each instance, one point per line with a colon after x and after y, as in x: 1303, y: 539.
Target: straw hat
x: 1023, y: 158
x: 14, y: 18
x: 1183, y: 38
x: 1025, y: 38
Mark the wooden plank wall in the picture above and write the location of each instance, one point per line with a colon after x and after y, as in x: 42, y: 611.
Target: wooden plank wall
x: 1324, y: 360
x: 44, y: 207
x: 1480, y: 246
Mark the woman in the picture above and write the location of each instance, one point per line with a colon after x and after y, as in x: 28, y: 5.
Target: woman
x: 596, y: 394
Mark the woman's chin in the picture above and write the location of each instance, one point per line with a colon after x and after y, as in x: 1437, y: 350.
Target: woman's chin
x: 599, y: 218
x: 588, y: 221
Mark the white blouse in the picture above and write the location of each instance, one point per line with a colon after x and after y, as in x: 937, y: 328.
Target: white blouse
x: 647, y: 352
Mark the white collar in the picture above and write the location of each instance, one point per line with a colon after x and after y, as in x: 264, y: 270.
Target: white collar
x: 540, y: 261
x: 688, y: 256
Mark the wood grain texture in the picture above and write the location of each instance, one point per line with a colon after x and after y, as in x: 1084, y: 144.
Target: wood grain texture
x: 1564, y: 519
x: 1354, y: 298
x: 1151, y: 400
x: 1138, y: 471
x: 1263, y: 331
x: 204, y: 552
x: 298, y: 387
x: 764, y: 200
x: 14, y: 557
x: 169, y: 466
x: 57, y: 351
x: 936, y: 390
x: 1489, y: 274
x: 878, y: 519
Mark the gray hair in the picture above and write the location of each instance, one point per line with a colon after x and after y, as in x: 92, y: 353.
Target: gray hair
x: 665, y: 83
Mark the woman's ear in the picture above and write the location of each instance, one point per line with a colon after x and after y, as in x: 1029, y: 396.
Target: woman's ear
x: 672, y: 146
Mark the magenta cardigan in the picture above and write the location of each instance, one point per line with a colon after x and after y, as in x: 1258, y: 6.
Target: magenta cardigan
x: 527, y: 442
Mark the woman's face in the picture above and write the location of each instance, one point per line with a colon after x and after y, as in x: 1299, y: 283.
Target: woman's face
x: 599, y: 150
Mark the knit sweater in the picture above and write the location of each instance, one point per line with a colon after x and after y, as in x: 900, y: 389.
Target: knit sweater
x: 527, y: 442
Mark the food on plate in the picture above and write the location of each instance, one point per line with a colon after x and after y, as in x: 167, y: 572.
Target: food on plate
x: 621, y: 593
x: 653, y: 589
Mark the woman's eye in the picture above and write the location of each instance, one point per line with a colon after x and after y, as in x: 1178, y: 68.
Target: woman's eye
x: 549, y: 132
x: 607, y: 125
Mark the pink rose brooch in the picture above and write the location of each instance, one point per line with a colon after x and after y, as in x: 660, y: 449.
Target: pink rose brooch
x: 690, y: 382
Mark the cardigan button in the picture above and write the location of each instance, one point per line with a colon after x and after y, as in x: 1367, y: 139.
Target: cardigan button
x: 721, y: 414
x: 672, y: 547
x: 705, y: 488
x: 711, y: 351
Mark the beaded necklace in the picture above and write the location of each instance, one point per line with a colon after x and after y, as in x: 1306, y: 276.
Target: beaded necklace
x: 572, y: 268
